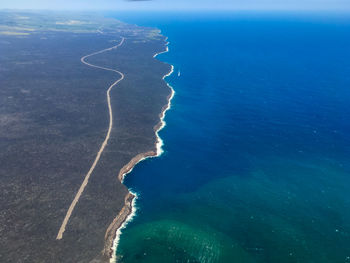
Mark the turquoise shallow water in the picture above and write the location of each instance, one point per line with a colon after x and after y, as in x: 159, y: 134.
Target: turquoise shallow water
x: 256, y: 163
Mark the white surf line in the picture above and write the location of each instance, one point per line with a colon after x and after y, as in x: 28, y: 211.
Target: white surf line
x: 104, y: 144
x: 118, y: 233
x: 159, y: 144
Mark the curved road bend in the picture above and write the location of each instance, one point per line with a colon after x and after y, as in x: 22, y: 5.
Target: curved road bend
x: 104, y: 144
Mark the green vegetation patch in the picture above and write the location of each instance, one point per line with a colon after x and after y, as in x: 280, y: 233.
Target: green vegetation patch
x: 26, y: 22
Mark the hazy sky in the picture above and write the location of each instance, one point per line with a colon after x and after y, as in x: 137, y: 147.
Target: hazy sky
x: 179, y: 4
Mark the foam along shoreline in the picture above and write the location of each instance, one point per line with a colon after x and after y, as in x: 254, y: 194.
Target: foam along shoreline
x: 123, y: 219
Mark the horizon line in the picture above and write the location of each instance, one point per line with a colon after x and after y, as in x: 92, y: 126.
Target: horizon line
x: 199, y: 10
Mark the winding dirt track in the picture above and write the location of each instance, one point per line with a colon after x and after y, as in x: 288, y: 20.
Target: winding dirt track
x: 104, y: 144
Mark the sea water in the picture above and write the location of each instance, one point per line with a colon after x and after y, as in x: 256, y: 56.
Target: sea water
x: 256, y: 165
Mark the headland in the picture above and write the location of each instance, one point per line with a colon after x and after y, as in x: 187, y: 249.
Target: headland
x: 65, y: 145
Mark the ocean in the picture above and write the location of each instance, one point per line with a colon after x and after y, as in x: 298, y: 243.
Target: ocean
x: 256, y: 163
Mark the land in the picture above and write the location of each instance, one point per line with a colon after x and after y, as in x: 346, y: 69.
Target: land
x: 54, y: 117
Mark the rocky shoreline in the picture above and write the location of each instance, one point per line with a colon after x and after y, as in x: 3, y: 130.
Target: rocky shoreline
x: 127, y: 210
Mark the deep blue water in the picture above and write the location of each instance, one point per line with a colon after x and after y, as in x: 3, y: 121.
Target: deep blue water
x: 257, y: 144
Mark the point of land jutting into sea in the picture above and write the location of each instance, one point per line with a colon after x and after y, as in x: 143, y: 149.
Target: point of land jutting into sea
x: 256, y: 165
x: 70, y: 123
x: 256, y: 154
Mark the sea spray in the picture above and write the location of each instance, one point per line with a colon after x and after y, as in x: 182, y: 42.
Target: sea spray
x: 128, y: 219
x: 249, y: 103
x: 159, y: 151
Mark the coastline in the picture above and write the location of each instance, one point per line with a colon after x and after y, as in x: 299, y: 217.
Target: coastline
x: 65, y: 178
x: 114, y: 231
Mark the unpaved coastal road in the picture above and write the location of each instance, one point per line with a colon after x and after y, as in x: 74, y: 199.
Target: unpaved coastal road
x: 104, y: 144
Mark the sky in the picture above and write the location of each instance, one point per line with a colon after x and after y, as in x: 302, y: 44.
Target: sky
x: 114, y: 5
